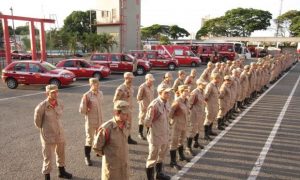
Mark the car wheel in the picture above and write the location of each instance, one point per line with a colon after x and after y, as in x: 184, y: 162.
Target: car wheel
x: 193, y: 64
x: 97, y: 75
x: 55, y: 82
x: 171, y: 66
x: 12, y: 83
x: 140, y: 70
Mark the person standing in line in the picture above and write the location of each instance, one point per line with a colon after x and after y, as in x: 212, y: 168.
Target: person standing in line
x: 179, y: 115
x: 197, y: 115
x: 191, y: 80
x: 111, y: 143
x: 179, y: 81
x: 205, y: 76
x: 47, y: 116
x: 91, y: 107
x: 158, y: 136
x: 167, y: 82
x: 125, y: 92
x: 224, y: 101
x: 211, y: 95
x: 144, y: 96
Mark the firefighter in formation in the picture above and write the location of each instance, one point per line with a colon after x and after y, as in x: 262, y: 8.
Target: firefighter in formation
x: 184, y: 111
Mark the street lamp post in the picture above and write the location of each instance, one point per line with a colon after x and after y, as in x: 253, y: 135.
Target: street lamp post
x: 13, y: 25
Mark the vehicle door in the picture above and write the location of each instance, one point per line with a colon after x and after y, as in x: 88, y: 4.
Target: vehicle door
x: 21, y: 74
x: 83, y: 69
x: 37, y: 74
x: 115, y: 64
x: 180, y: 56
x: 71, y: 66
x: 152, y: 59
x: 101, y: 59
x: 126, y: 62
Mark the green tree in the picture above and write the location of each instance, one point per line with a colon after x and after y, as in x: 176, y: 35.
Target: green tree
x: 289, y: 21
x: 176, y: 32
x: 237, y: 22
x: 243, y: 22
x: 24, y: 30
x: 106, y: 42
x: 215, y: 27
x: 164, y: 40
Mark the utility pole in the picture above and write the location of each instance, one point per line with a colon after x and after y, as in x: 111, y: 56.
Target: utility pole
x: 280, y: 10
x: 13, y: 26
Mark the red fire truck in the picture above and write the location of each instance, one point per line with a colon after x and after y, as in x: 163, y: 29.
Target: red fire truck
x: 182, y: 53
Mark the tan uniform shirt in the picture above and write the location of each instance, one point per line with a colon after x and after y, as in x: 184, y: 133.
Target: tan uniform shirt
x: 177, y: 83
x: 224, y: 99
x: 111, y: 142
x: 144, y: 96
x: 93, y: 102
x: 157, y: 120
x: 244, y: 84
x: 179, y: 114
x: 205, y: 76
x: 211, y: 95
x: 191, y: 82
x: 47, y: 119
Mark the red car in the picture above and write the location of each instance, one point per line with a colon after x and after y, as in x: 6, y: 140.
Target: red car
x: 156, y: 60
x: 35, y: 72
x: 120, y: 62
x: 81, y: 68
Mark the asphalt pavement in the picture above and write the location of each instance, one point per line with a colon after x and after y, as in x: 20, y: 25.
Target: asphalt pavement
x: 262, y: 142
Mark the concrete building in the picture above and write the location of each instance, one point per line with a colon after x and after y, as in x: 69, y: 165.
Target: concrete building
x: 122, y: 19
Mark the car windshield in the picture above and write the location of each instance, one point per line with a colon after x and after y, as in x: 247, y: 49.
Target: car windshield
x: 48, y: 66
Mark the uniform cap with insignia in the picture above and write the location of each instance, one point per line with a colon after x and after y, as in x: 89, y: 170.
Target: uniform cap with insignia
x: 201, y: 82
x: 51, y: 88
x: 128, y: 74
x: 121, y: 106
x: 183, y: 87
x: 150, y: 77
x: 162, y: 87
x: 93, y: 80
x: 227, y: 78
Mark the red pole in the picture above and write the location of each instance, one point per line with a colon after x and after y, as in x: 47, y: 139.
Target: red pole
x: 43, y: 42
x: 6, y: 40
x: 32, y: 40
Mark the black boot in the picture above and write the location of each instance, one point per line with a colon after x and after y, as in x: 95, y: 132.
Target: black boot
x: 219, y: 125
x: 62, y: 173
x: 210, y: 130
x: 87, y: 152
x: 181, y: 155
x: 159, y: 172
x: 196, y: 143
x: 131, y: 141
x: 150, y: 173
x: 173, y: 162
x: 189, y: 147
x: 47, y: 176
x: 206, y: 133
x: 141, y: 136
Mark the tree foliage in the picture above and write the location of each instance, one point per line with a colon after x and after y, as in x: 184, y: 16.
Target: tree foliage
x: 291, y: 21
x: 236, y: 22
x: 24, y: 30
x: 157, y: 31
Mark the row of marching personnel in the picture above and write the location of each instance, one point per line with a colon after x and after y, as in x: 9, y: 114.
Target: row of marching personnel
x: 183, y: 111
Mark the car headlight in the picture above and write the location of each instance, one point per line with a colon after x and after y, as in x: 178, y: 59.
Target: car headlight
x: 66, y: 76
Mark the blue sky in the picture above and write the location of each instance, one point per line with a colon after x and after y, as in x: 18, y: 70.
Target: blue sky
x: 186, y: 14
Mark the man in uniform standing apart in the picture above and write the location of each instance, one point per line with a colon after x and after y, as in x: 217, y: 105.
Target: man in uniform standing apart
x: 91, y: 108
x: 111, y: 143
x: 125, y: 92
x: 47, y: 118
x: 211, y: 95
x: 144, y: 96
x: 158, y: 137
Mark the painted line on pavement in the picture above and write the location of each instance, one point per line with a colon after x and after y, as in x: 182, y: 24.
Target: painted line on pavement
x: 189, y: 165
x: 260, y: 161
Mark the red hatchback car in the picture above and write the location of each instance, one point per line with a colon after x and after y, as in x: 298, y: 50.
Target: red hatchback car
x: 35, y: 72
x: 83, y: 69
